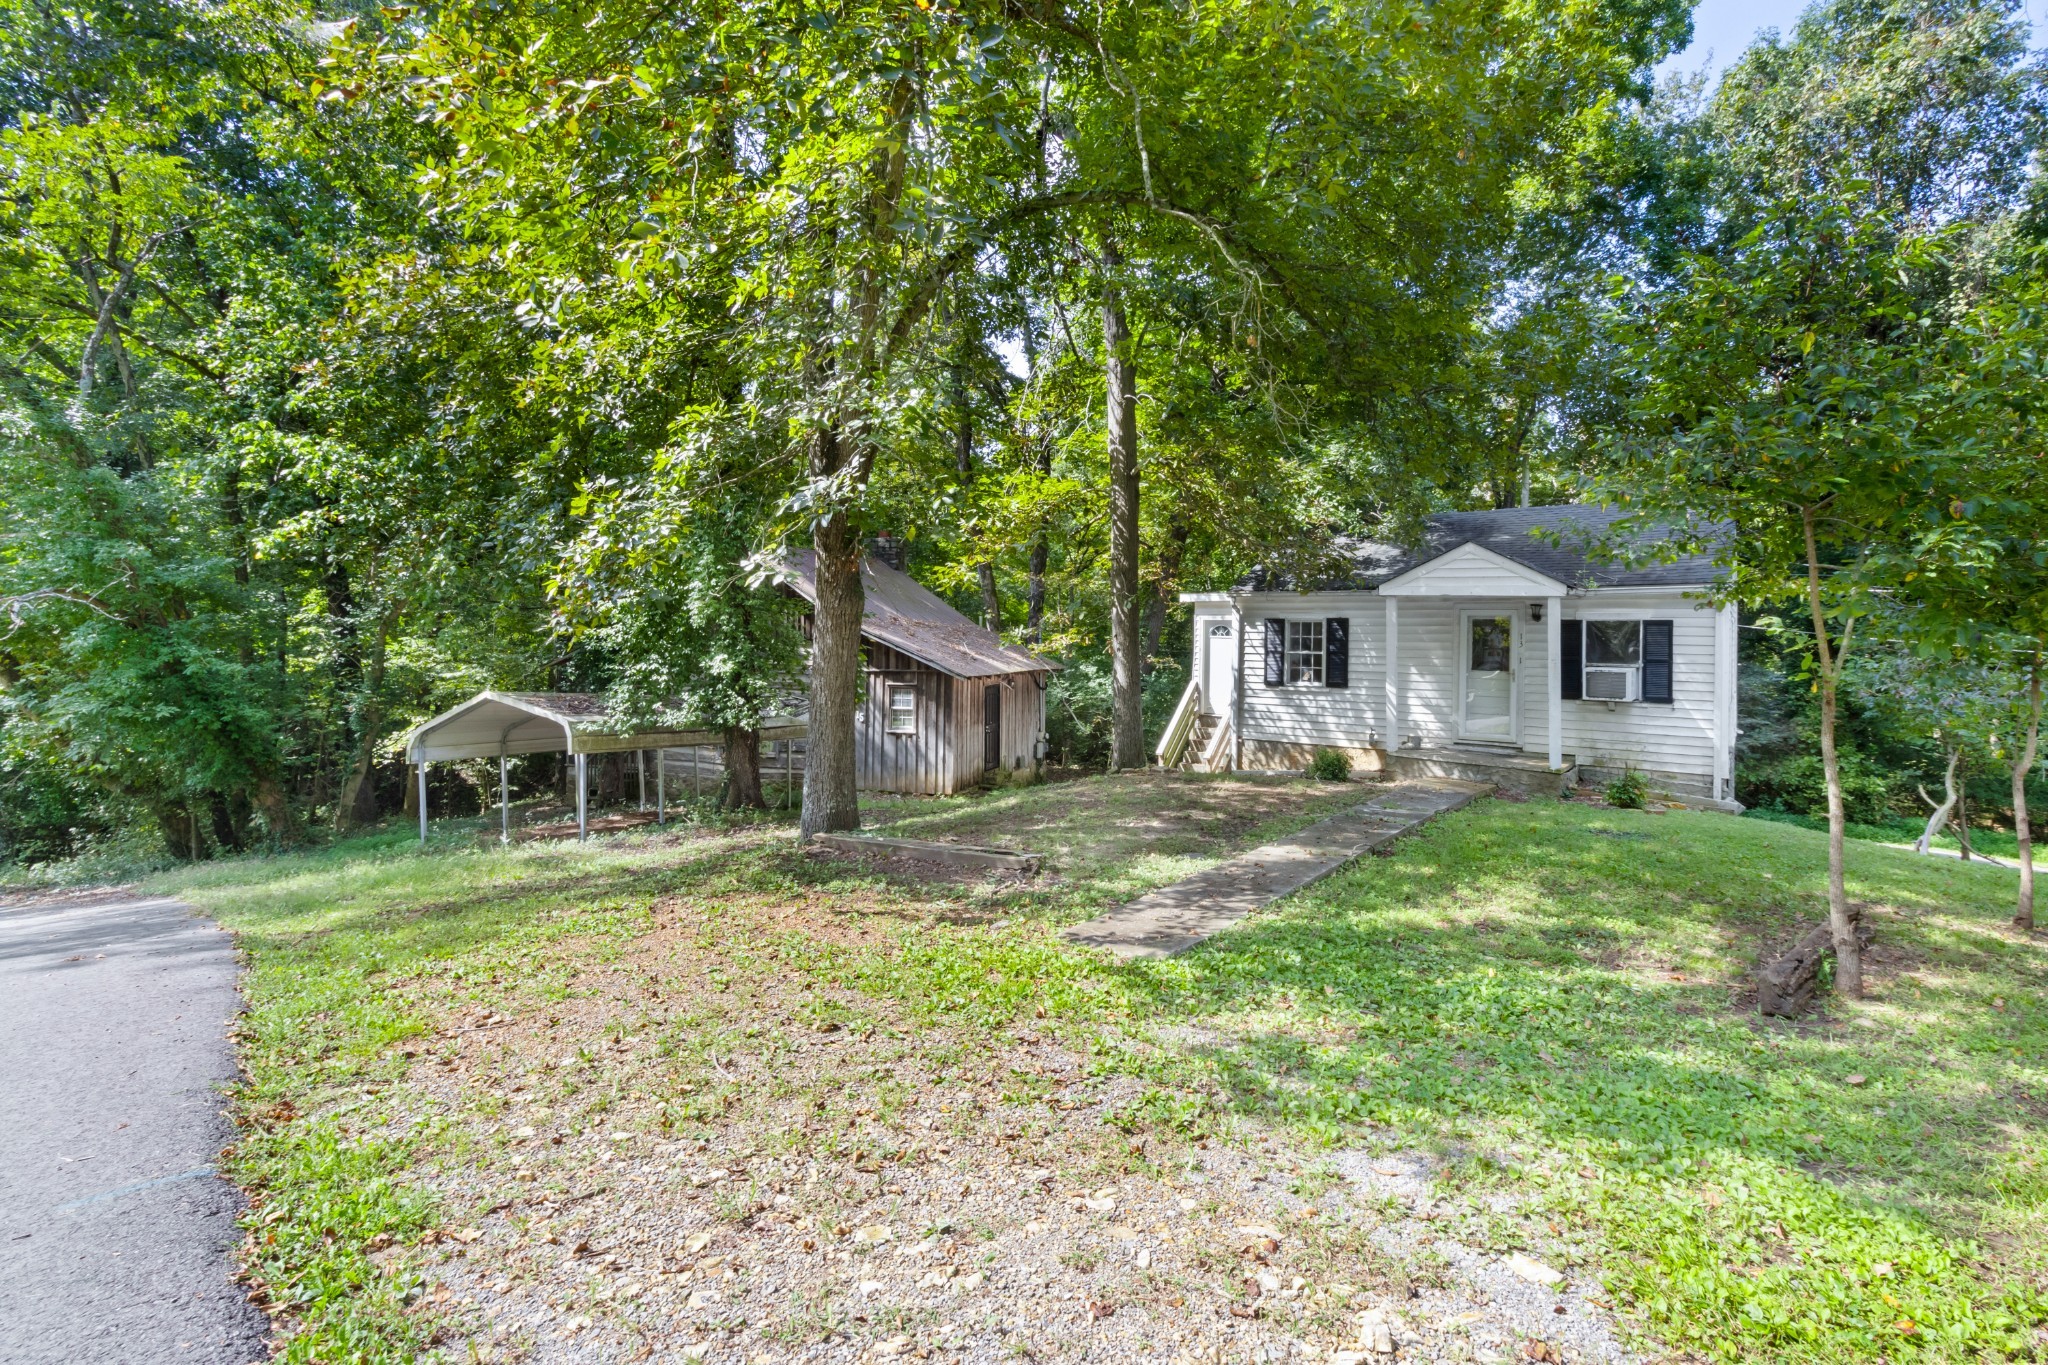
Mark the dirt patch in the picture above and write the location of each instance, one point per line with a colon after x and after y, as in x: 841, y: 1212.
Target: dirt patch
x: 686, y: 1154
x: 919, y: 874
x: 67, y: 896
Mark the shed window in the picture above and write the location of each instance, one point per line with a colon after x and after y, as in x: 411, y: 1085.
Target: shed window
x: 1305, y: 652
x: 902, y: 709
x: 1614, y: 642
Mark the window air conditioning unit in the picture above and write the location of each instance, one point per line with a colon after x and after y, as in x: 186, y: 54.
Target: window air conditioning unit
x: 1611, y: 684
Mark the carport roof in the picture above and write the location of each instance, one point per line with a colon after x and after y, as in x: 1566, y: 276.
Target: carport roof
x: 494, y: 723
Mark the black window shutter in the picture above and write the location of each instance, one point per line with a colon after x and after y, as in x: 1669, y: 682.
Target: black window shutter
x: 1571, y: 668
x: 1337, y: 651
x: 1276, y: 651
x: 1657, y: 661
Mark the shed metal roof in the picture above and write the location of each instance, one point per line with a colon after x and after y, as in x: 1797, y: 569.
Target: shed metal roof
x: 904, y: 614
x: 1522, y: 534
x: 494, y: 723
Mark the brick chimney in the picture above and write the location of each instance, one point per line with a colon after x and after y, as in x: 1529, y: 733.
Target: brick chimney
x: 889, y: 549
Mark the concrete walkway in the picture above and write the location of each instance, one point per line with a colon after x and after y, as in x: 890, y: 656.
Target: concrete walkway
x: 115, y: 1233
x: 1175, y: 918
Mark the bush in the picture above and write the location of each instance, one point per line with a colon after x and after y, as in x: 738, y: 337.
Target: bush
x: 47, y: 812
x: 1628, y: 791
x: 1799, y: 785
x: 1330, y: 765
x: 1077, y: 709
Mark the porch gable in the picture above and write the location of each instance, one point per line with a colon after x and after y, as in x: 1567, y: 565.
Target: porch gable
x: 1471, y: 570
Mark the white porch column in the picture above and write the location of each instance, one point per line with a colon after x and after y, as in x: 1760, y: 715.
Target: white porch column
x: 1553, y: 655
x: 1237, y: 688
x: 582, y: 797
x: 1393, y: 606
x: 422, y: 767
x: 1725, y: 713
x: 504, y: 801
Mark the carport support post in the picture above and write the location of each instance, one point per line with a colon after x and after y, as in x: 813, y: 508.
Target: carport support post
x: 422, y: 767
x: 504, y: 801
x: 640, y: 761
x: 661, y: 786
x: 582, y: 797
x: 1553, y: 655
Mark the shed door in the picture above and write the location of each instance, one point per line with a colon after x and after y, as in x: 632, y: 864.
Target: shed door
x: 991, y: 728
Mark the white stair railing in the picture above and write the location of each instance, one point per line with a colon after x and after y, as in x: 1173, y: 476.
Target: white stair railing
x: 1216, y: 754
x: 1173, y: 744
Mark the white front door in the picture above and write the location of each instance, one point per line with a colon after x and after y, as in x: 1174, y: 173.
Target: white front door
x: 1486, y: 691
x: 1219, y: 666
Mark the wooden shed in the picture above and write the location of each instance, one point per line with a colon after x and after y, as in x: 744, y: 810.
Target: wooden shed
x: 946, y: 702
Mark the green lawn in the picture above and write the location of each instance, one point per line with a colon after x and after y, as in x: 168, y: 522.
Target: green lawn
x: 1563, y: 992
x: 1552, y: 995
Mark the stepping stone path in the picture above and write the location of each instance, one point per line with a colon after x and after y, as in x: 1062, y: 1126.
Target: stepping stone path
x: 1175, y: 918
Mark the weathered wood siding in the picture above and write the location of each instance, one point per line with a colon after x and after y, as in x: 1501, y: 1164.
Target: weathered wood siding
x: 945, y: 755
x: 920, y: 763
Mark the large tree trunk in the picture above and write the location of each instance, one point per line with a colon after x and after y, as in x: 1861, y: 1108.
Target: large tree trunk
x: 358, y: 802
x: 742, y: 788
x: 1170, y: 557
x: 2024, y: 915
x: 991, y: 604
x: 181, y: 834
x: 963, y: 459
x: 830, y: 799
x: 1034, y: 601
x: 277, y: 810
x: 1841, y: 923
x: 1127, y: 719
x: 226, y: 833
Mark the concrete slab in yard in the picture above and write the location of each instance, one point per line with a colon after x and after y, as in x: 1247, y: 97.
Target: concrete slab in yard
x: 1175, y: 918
x: 931, y: 851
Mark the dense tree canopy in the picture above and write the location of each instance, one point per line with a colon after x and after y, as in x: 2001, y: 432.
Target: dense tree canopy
x: 353, y: 362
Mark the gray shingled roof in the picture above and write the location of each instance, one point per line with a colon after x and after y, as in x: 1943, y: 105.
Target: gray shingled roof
x: 1513, y: 533
x: 904, y: 614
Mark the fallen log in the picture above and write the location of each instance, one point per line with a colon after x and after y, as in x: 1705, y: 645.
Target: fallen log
x: 1785, y: 987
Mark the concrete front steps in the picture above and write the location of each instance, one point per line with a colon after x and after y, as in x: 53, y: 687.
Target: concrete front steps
x: 1518, y: 772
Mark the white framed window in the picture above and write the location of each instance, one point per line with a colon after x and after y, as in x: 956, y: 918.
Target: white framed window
x: 1614, y: 643
x: 1305, y: 652
x: 902, y: 708
x: 1614, y: 661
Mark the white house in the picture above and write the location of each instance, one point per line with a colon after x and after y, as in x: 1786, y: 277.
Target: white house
x: 1499, y: 650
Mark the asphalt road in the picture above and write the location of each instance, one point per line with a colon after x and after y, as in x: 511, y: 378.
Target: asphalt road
x: 114, y: 1231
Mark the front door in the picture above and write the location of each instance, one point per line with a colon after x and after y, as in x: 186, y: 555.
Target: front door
x: 1486, y: 707
x: 1219, y: 668
x: 991, y: 728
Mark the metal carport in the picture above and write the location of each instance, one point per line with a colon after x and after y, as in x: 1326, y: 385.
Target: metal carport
x: 501, y: 724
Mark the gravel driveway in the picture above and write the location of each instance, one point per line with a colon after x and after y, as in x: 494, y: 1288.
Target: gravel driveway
x: 114, y: 1231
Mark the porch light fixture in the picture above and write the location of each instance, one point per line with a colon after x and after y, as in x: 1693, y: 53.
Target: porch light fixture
x: 1536, y: 613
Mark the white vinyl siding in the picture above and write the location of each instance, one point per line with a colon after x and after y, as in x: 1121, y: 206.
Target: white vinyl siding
x: 1674, y: 738
x: 1314, y: 715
